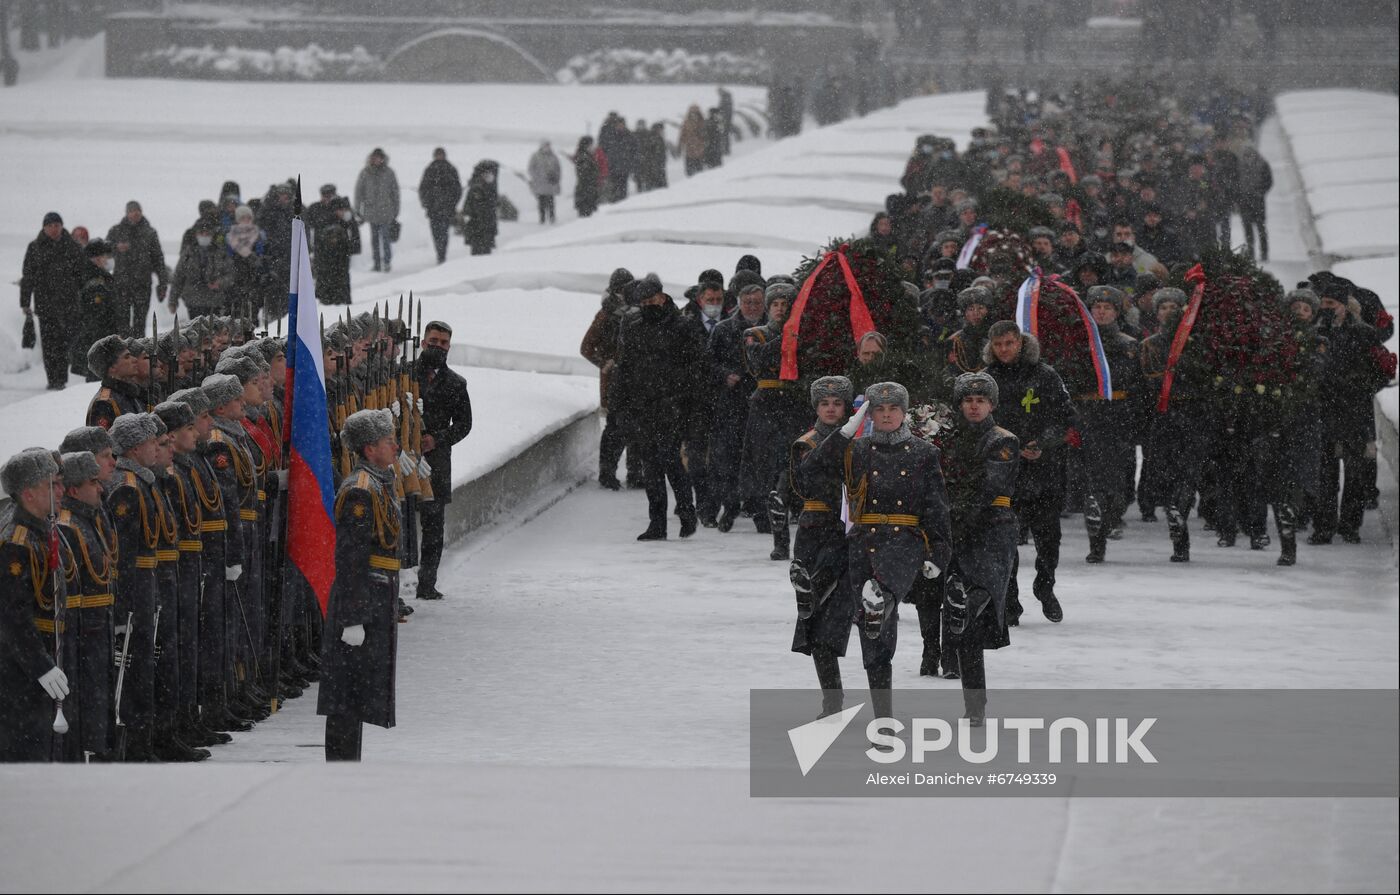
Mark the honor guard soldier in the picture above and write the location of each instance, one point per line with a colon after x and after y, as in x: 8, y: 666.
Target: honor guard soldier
x: 818, y: 566
x: 777, y: 413
x: 90, y: 546
x: 111, y: 360
x: 30, y: 679
x: 899, y: 515
x: 135, y: 513
x: 981, y: 467
x: 361, y: 640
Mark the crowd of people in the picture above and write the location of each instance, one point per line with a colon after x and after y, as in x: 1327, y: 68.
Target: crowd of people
x: 147, y: 584
x: 697, y: 397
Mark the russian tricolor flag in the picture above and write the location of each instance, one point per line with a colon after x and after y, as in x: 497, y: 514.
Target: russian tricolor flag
x: 311, y: 488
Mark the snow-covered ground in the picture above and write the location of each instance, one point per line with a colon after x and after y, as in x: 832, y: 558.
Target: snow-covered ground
x: 575, y: 714
x: 1346, y: 152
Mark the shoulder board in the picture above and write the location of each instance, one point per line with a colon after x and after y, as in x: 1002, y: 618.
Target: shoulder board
x: 216, y: 436
x: 65, y: 517
x: 104, y: 394
x: 129, y: 478
x: 809, y: 438
x: 20, y: 535
x: 362, y: 480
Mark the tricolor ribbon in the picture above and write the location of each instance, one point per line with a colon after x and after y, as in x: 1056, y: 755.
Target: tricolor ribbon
x: 970, y: 247
x: 1028, y: 318
x: 861, y: 322
x: 1195, y: 275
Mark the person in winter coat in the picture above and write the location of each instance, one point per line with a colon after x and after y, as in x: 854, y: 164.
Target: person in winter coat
x: 204, y: 276
x: 818, y: 569
x: 447, y: 419
x: 360, y: 646
x: 52, y: 278
x: 1036, y: 408
x: 136, y: 248
x: 377, y: 201
x: 479, y: 208
x: 620, y: 147
x: 585, y: 178
x: 980, y: 472
x: 439, y: 191
x: 658, y: 361
x: 544, y: 176
x: 100, y: 304
x: 336, y: 241
x: 882, y: 232
x: 274, y: 216
x: 599, y: 347
x: 246, y: 244
x: 1256, y: 179
x: 736, y: 383
x: 694, y: 140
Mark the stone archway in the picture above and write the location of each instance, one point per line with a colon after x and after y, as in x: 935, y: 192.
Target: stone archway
x: 465, y: 55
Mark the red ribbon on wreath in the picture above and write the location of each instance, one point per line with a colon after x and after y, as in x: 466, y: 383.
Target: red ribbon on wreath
x: 1195, y: 275
x: 861, y: 322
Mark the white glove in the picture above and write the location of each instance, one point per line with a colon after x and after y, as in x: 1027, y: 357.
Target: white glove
x: 406, y: 463
x: 395, y: 409
x: 55, y: 683
x: 119, y: 630
x: 930, y: 570
x: 420, y: 405
x: 353, y: 635
x: 233, y: 573
x: 282, y: 479
x: 853, y: 424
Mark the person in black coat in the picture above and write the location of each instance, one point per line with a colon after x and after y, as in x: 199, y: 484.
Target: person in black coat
x: 447, y: 419
x: 699, y: 422
x: 52, y: 278
x: 337, y: 240
x: 585, y: 178
x: 480, y: 208
x: 1036, y: 408
x: 30, y: 679
x: 736, y: 383
x: 658, y: 361
x: 439, y: 190
x: 139, y: 257
x: 360, y: 649
x: 101, y: 308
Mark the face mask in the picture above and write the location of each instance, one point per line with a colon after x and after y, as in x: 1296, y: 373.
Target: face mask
x: 489, y: 178
x: 711, y: 311
x: 204, y: 241
x: 110, y: 265
x: 346, y: 215
x: 433, y: 357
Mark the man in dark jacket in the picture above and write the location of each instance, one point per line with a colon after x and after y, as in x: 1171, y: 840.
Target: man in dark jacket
x: 439, y: 190
x: 736, y: 383
x: 337, y: 239
x: 700, y: 413
x: 360, y: 647
x: 599, y: 348
x: 101, y: 308
x: 447, y: 419
x: 139, y: 257
x: 658, y: 361
x: 1035, y: 407
x: 275, y: 218
x: 52, y: 277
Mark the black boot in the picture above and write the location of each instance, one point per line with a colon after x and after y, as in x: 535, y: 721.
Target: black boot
x: 1094, y: 524
x: 880, y: 679
x: 1180, y: 535
x: 727, y: 518
x: 829, y: 679
x: 689, y: 523
x: 654, y: 532
x: 1287, y: 518
x: 778, y: 518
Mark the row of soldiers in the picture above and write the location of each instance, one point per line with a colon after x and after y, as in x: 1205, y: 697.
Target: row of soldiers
x: 164, y: 615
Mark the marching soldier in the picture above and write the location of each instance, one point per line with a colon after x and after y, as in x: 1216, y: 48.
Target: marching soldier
x: 90, y: 546
x: 981, y: 467
x: 110, y: 359
x: 899, y: 515
x: 30, y: 679
x: 135, y: 513
x: 1107, y: 438
x: 361, y: 642
x: 819, y: 549
x: 965, y: 354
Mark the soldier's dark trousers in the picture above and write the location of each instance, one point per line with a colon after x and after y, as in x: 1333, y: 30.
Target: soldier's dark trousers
x: 430, y: 516
x: 343, y: 738
x: 54, y: 338
x: 442, y: 229
x: 828, y: 678
x: 974, y: 676
x: 661, y: 461
x: 928, y: 603
x: 1327, y: 520
x: 726, y: 451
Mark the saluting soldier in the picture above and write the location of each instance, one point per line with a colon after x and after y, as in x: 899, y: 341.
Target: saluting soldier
x: 111, y: 360
x: 819, y: 550
x: 30, y: 680
x: 981, y: 468
x: 899, y: 510
x: 90, y: 546
x: 135, y: 514
x: 360, y: 647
